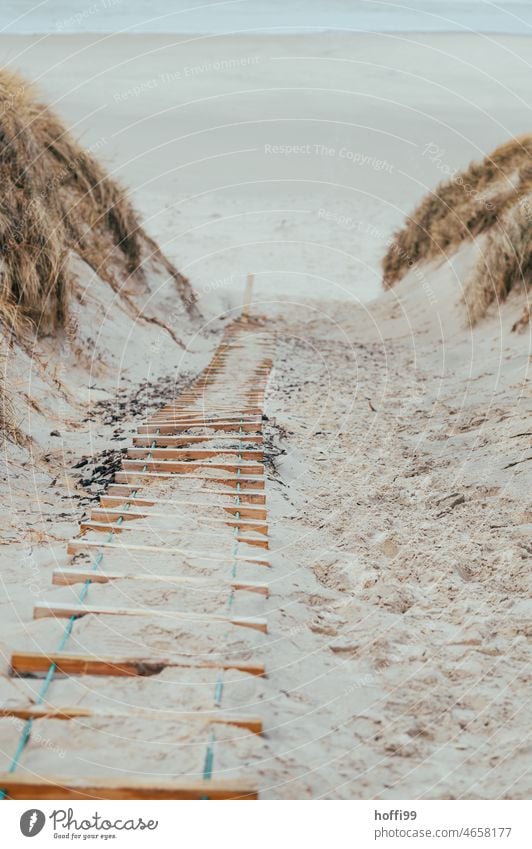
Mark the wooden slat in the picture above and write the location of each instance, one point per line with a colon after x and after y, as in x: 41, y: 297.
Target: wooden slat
x: 63, y: 610
x: 66, y: 577
x: 196, y: 407
x: 248, y: 496
x: 199, y: 523
x: 219, y: 384
x: 169, y: 440
x: 226, y: 411
x: 79, y: 546
x: 194, y: 453
x: 188, y: 423
x: 182, y: 467
x: 250, y: 723
x: 189, y: 410
x: 233, y: 482
x: 62, y: 787
x: 249, y: 402
x: 187, y: 414
x: 214, y: 373
x: 103, y: 527
x: 202, y: 417
x: 67, y: 663
x: 176, y: 428
x: 244, y: 510
x: 221, y: 378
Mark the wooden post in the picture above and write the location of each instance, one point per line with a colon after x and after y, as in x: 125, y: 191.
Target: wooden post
x: 248, y: 295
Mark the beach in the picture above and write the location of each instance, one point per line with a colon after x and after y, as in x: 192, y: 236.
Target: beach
x: 315, y: 146
x: 400, y: 525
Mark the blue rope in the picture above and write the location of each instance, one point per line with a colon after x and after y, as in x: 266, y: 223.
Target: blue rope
x: 209, y: 760
x: 219, y: 686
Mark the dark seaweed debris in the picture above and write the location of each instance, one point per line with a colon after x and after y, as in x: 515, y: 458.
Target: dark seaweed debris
x: 139, y: 402
x: 99, y: 470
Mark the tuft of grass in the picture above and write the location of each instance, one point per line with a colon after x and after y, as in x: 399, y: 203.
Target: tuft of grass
x: 493, y: 197
x: 505, y: 262
x: 57, y: 200
x: 9, y: 430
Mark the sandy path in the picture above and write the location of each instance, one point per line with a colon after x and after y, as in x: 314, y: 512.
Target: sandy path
x: 162, y: 721
x: 396, y: 652
x: 402, y: 555
x: 398, y: 443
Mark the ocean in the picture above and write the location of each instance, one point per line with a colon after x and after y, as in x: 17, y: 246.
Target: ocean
x: 219, y: 16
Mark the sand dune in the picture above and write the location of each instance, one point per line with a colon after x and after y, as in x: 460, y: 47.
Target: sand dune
x: 397, y: 435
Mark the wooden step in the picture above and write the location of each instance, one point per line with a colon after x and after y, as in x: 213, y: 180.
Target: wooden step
x: 169, y: 440
x: 63, y: 610
x: 106, y: 527
x: 246, y: 482
x: 214, y: 393
x: 35, y: 712
x: 244, y: 510
x: 115, y: 490
x: 174, y: 428
x: 66, y: 663
x: 67, y: 576
x: 197, y: 522
x: 211, y: 402
x: 181, y: 467
x: 19, y: 786
x: 80, y: 546
x: 194, y: 453
x: 205, y: 417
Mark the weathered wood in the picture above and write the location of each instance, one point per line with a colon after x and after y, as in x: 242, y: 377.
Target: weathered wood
x: 221, y: 444
x: 169, y: 440
x: 106, y: 527
x: 234, y: 482
x: 194, y: 407
x: 19, y: 786
x: 239, y: 428
x: 179, y: 467
x: 174, y: 429
x: 78, y: 546
x: 63, y: 610
x: 243, y: 403
x: 203, y: 418
x: 115, y: 490
x: 196, y: 402
x: 220, y: 368
x: 198, y: 420
x: 244, y: 510
x: 35, y: 712
x: 219, y: 386
x: 248, y: 297
x: 206, y: 417
x: 33, y: 663
x: 66, y: 577
x: 198, y: 522
x: 194, y: 453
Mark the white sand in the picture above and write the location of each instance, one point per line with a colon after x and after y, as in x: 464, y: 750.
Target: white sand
x: 197, y: 142
x: 400, y: 528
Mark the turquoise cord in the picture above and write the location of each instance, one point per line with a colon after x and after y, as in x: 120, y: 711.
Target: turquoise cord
x: 218, y: 689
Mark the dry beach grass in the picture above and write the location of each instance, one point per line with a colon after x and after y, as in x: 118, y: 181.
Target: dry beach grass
x: 398, y: 436
x: 57, y: 200
x: 492, y: 197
